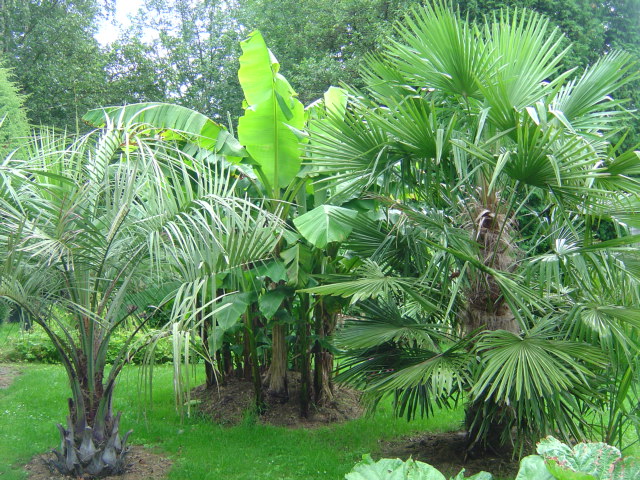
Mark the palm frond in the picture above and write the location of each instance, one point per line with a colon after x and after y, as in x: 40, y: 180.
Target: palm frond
x: 585, y: 103
x: 437, y: 49
x: 527, y: 54
x: 532, y: 366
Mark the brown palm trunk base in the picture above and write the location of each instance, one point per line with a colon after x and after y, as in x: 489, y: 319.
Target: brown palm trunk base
x: 276, y: 378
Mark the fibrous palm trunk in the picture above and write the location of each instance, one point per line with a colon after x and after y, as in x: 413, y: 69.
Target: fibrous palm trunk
x: 487, y: 423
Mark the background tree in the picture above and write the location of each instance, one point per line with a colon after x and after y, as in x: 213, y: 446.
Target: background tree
x: 322, y: 43
x: 192, y: 56
x: 13, y: 117
x: 55, y: 58
x: 196, y: 46
x: 133, y: 73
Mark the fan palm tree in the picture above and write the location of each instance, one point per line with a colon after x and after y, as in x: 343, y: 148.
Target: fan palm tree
x: 493, y: 169
x: 88, y: 223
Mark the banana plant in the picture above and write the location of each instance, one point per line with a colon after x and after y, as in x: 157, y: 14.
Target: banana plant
x: 269, y: 150
x: 269, y: 130
x: 170, y: 122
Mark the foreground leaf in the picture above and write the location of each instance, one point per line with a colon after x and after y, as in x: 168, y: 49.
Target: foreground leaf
x: 533, y: 468
x: 393, y: 469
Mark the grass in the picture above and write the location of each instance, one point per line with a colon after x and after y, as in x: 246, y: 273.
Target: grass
x: 36, y: 400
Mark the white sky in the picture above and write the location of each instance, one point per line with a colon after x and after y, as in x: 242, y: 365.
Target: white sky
x: 108, y: 32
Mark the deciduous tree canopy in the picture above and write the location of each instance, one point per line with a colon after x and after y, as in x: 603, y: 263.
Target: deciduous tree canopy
x: 13, y: 118
x: 186, y: 51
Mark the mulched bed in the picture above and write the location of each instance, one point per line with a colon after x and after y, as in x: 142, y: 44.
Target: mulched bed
x: 144, y: 465
x: 232, y: 403
x: 446, y: 452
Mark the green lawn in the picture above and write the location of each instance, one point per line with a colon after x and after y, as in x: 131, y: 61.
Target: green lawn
x: 37, y: 399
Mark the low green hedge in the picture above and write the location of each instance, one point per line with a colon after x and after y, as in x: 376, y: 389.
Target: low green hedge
x: 35, y: 346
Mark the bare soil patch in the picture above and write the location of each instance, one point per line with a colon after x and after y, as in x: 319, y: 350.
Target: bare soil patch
x: 7, y: 374
x: 233, y: 403
x: 143, y: 465
x: 446, y: 452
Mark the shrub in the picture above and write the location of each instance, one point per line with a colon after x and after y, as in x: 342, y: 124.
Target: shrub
x: 5, y: 311
x: 35, y: 346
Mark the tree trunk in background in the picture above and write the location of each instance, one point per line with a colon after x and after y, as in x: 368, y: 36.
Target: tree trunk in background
x: 208, y: 362
x: 303, y: 346
x: 253, y: 362
x: 227, y: 360
x: 325, y: 323
x: 246, y: 350
x: 277, y: 375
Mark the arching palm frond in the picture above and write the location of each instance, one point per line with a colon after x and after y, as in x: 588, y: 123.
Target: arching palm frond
x: 349, y: 153
x: 421, y: 379
x: 533, y: 366
x: 392, y: 353
x: 382, y: 322
x: 375, y: 281
x: 585, y: 104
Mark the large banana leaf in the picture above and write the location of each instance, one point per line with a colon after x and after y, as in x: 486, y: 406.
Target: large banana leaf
x: 163, y: 116
x: 326, y: 224
x: 298, y: 260
x: 272, y: 117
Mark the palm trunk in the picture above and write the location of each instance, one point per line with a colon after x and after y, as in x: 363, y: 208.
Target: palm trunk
x: 253, y: 363
x: 209, y: 372
x: 488, y: 423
